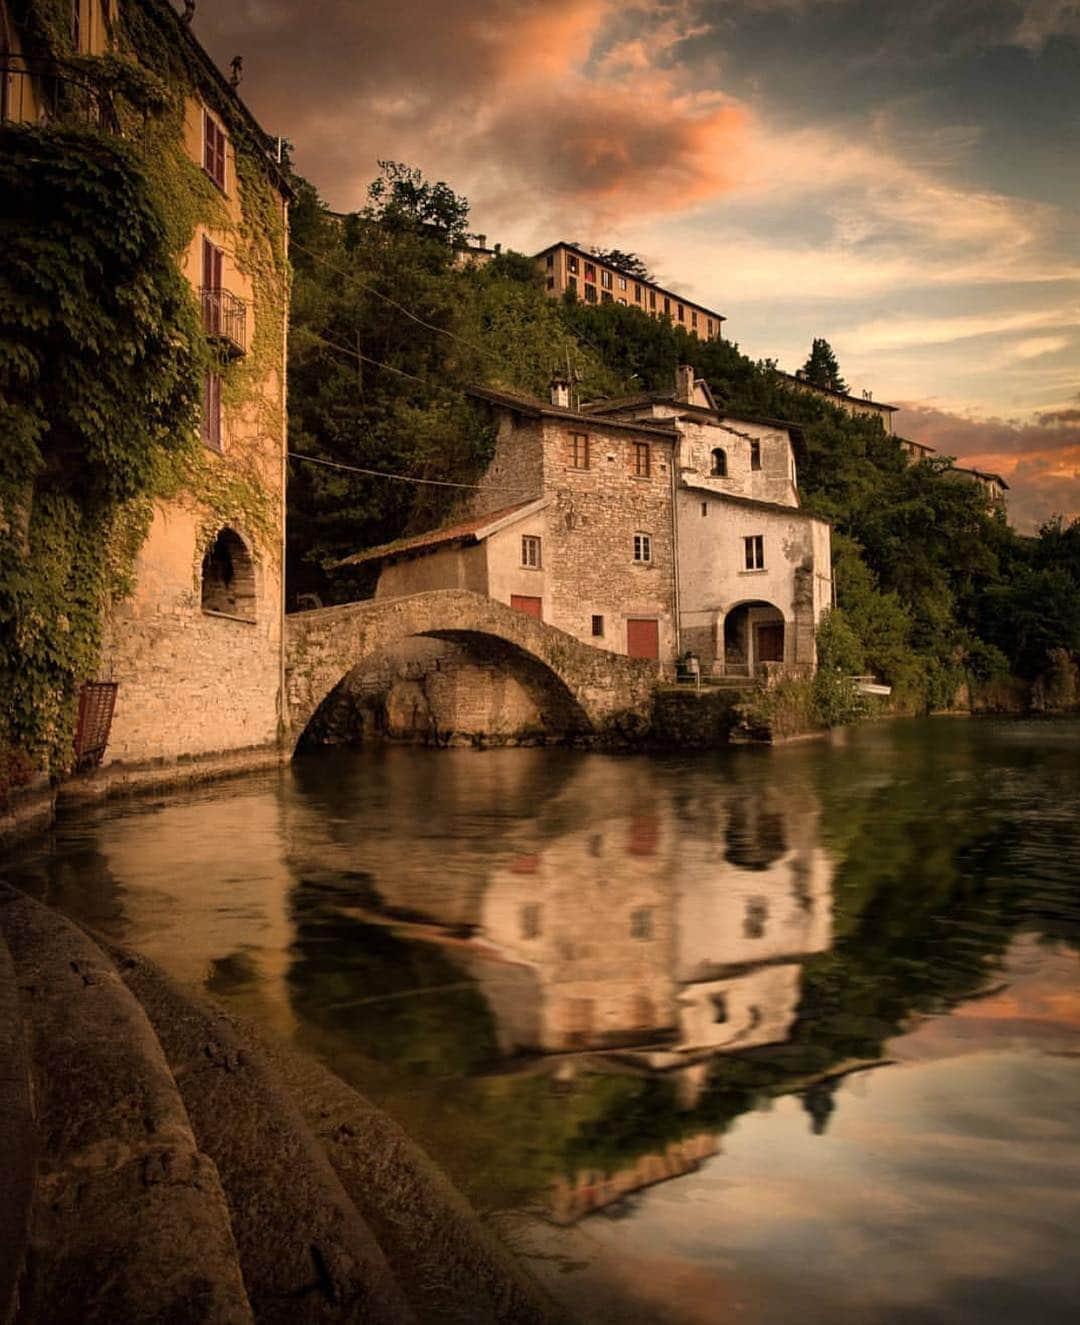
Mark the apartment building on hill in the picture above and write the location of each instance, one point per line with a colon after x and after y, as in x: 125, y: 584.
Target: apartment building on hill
x: 566, y: 267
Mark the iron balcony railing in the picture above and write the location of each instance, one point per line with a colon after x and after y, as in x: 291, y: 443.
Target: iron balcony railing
x: 44, y: 93
x: 224, y: 317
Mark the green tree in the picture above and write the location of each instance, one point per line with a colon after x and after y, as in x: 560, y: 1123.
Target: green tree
x: 821, y: 367
x: 402, y: 199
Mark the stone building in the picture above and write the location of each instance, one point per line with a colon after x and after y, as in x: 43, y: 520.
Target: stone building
x: 646, y: 525
x: 566, y: 268
x: 196, y: 649
x: 846, y: 400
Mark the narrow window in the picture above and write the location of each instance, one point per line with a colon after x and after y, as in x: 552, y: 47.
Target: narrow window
x: 572, y: 264
x: 590, y: 293
x: 530, y: 551
x: 622, y: 282
x: 637, y: 294
x: 212, y: 260
x: 682, y: 312
x: 214, y: 141
x: 579, y: 444
x: 667, y: 307
x: 550, y: 261
x: 708, y: 326
x: 642, y: 548
x: 211, y: 411
x: 590, y: 272
x: 597, y: 626
x: 755, y: 455
x: 755, y: 552
x: 652, y: 298
x: 704, y: 509
x: 530, y: 920
x: 642, y: 459
x: 719, y: 462
x: 693, y: 317
x: 757, y: 912
x: 605, y: 279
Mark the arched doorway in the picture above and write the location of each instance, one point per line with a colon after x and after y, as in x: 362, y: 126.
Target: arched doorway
x: 228, y: 578
x: 754, y: 633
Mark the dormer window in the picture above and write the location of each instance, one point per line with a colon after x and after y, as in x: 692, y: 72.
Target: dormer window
x: 214, y: 150
x: 719, y: 463
x: 755, y: 455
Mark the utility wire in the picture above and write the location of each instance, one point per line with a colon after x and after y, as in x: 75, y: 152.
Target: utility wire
x: 363, y: 358
x: 398, y: 478
x: 352, y: 276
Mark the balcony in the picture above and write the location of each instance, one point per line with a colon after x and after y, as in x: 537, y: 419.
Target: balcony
x: 224, y: 317
x: 48, y: 94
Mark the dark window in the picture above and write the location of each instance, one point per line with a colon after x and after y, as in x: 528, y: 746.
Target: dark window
x: 720, y: 1012
x: 704, y: 508
x: 590, y: 272
x: 571, y: 283
x: 652, y: 298
x: 214, y: 141
x: 211, y: 411
x: 597, y: 625
x: 530, y: 920
x: 641, y: 923
x: 755, y: 552
x: 642, y: 459
x: 571, y: 263
x: 605, y: 296
x: 755, y: 455
x: 228, y: 577
x: 719, y: 462
x: 667, y: 306
x: 579, y: 444
x: 590, y: 294
x: 693, y: 317
x: 757, y: 912
x: 551, y: 282
x: 681, y: 312
x: 550, y: 260
x: 637, y: 294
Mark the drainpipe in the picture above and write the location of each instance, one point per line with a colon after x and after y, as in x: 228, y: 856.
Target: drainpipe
x: 675, y: 543
x: 283, y: 699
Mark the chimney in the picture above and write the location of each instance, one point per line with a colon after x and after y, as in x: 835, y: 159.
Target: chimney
x: 481, y: 241
x: 684, y: 384
x: 560, y: 392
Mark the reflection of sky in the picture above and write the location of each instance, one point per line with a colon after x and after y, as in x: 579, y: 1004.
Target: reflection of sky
x: 944, y: 1189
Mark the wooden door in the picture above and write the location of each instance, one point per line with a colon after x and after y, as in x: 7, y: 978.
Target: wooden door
x: 643, y: 638
x: 770, y: 642
x: 524, y: 603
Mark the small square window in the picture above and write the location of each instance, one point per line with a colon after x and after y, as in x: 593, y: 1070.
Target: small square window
x: 642, y: 548
x: 530, y: 551
x: 754, y: 547
x: 642, y: 459
x: 214, y: 150
x: 579, y: 450
x: 597, y: 626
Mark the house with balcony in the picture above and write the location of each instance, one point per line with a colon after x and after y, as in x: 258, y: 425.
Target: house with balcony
x: 194, y: 651
x: 648, y: 525
x: 568, y: 269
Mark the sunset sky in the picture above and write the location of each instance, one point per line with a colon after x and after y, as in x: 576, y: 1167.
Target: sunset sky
x: 900, y: 176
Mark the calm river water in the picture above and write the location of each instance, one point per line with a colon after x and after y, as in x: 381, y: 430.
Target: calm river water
x: 760, y: 1036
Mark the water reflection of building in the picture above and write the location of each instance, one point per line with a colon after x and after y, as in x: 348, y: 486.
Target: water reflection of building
x: 660, y: 927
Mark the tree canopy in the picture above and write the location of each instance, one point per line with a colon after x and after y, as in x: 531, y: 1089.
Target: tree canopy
x: 629, y: 262
x: 821, y: 367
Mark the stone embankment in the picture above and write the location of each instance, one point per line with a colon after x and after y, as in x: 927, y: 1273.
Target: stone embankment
x: 163, y: 1162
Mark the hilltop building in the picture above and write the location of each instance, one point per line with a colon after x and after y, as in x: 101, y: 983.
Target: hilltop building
x: 568, y: 268
x: 647, y: 526
x: 197, y: 646
x: 864, y: 404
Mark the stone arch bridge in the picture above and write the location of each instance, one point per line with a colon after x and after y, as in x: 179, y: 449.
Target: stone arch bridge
x: 589, y: 693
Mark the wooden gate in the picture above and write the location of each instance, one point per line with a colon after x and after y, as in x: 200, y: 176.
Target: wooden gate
x: 643, y: 637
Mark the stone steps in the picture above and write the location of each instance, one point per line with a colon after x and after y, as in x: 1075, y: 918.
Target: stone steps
x: 170, y: 1163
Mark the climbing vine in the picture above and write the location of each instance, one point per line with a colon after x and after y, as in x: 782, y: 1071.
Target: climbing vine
x: 102, y: 360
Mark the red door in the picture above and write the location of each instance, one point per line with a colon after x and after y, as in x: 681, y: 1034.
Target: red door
x: 523, y: 603
x: 643, y: 638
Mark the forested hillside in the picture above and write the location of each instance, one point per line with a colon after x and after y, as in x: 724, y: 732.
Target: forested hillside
x: 388, y: 331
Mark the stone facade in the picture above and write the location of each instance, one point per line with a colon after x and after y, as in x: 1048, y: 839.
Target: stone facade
x: 197, y: 648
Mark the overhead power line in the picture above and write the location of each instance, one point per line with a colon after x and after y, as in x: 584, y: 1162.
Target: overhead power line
x: 399, y: 478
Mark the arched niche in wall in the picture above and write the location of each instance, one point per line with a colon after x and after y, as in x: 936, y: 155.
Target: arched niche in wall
x: 228, y: 577
x: 719, y: 462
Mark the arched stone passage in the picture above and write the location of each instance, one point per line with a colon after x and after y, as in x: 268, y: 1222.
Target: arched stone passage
x: 228, y: 577
x: 582, y: 690
x: 754, y: 632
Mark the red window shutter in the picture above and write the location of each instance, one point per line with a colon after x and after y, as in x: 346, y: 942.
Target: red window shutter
x: 526, y: 603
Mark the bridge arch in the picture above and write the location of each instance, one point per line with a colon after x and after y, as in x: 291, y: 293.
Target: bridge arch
x: 587, y: 691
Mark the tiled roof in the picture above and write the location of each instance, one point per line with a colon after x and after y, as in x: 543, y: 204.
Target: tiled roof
x: 465, y: 531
